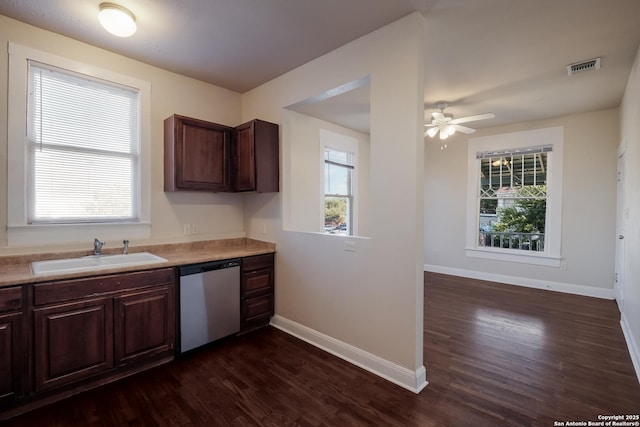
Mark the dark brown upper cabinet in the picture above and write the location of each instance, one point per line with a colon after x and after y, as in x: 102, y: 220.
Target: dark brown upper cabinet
x: 256, y: 157
x: 205, y: 156
x: 196, y: 155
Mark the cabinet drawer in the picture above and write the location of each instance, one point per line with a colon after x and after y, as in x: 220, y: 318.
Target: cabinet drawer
x: 66, y: 290
x: 257, y: 283
x: 10, y: 299
x: 258, y: 308
x: 256, y: 262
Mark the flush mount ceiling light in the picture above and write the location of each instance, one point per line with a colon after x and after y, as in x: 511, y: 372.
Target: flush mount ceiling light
x: 117, y: 20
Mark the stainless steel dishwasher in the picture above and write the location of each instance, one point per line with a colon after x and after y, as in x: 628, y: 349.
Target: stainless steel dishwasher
x: 209, y: 302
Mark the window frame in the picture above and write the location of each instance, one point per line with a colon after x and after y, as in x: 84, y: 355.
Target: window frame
x: 344, y: 143
x: 350, y: 178
x: 34, y: 146
x: 551, y: 256
x: 509, y: 158
x: 19, y: 231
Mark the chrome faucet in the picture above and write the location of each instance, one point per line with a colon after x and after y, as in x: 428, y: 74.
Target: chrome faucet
x: 125, y: 249
x: 97, y: 247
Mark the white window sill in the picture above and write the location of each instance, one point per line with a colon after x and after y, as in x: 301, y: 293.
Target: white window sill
x: 536, y: 258
x: 55, y: 234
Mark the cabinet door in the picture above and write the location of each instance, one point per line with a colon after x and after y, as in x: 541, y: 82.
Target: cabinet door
x: 197, y: 155
x: 11, y: 357
x: 245, y: 166
x: 256, y: 157
x: 72, y: 341
x: 144, y: 324
x: 267, y: 143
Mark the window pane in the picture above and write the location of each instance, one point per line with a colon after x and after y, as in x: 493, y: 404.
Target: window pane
x: 513, y: 198
x: 337, y: 179
x: 343, y: 157
x: 337, y: 214
x: 82, y: 186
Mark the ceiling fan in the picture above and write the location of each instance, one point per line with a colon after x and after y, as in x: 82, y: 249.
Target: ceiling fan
x: 446, y: 125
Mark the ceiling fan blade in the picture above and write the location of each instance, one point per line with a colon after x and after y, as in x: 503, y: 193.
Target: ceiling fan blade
x: 432, y: 132
x: 462, y: 129
x: 437, y: 115
x: 472, y: 118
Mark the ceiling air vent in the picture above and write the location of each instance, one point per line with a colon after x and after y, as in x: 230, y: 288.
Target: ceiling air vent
x: 592, y: 64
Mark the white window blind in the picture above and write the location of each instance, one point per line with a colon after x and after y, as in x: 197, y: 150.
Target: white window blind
x: 338, y: 167
x: 83, y: 138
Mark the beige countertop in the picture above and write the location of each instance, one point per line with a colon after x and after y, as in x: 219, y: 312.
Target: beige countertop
x: 16, y: 270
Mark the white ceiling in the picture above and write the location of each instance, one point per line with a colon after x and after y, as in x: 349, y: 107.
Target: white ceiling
x: 502, y: 56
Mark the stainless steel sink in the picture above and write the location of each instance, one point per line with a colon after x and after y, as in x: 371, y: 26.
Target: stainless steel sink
x: 93, y: 262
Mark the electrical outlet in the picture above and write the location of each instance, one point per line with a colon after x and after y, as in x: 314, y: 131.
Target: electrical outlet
x: 186, y: 229
x: 349, y: 246
x: 195, y: 229
x: 264, y: 228
x: 563, y: 265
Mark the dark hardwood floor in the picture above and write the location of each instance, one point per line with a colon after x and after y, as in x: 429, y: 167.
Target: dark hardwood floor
x: 495, y: 355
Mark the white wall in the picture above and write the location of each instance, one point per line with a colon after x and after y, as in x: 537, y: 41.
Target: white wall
x: 589, y: 200
x: 630, y: 132
x: 366, y: 305
x: 217, y: 215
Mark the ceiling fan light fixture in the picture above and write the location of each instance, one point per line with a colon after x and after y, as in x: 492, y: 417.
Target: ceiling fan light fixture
x: 431, y: 132
x: 117, y: 20
x: 444, y: 123
x: 450, y: 130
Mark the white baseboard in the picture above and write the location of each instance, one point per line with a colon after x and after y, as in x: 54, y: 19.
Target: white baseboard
x: 634, y: 350
x: 569, y: 288
x: 405, y: 378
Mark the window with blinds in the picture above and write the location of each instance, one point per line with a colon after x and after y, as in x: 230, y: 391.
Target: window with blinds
x: 513, y: 198
x: 338, y: 191
x: 83, y: 139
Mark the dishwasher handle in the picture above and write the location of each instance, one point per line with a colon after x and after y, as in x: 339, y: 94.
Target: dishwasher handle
x: 187, y: 270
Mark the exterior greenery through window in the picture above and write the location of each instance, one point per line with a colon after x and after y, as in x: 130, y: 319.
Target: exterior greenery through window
x: 338, y: 191
x: 513, y: 199
x: 83, y: 148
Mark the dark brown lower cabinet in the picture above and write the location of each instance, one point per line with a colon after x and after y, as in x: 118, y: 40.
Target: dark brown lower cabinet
x: 91, y: 328
x: 11, y: 386
x: 258, y: 311
x: 73, y: 342
x: 144, y: 324
x: 61, y: 337
x: 257, y: 289
x: 13, y: 363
